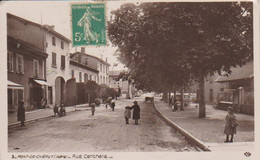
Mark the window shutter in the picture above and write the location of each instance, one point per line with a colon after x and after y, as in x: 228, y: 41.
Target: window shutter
x: 62, y: 61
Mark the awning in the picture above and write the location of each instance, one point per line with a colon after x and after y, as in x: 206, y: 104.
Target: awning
x: 41, y: 82
x: 12, y: 85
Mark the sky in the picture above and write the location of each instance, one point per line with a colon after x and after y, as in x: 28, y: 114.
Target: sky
x: 57, y: 13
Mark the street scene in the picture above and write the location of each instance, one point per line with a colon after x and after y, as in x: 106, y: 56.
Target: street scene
x: 130, y: 77
x: 79, y: 131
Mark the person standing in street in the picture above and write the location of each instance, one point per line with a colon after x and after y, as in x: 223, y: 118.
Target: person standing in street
x: 62, y: 110
x: 127, y: 114
x: 56, y: 110
x: 231, y: 124
x: 136, y: 112
x: 113, y: 104
x: 21, y: 112
x: 93, y: 108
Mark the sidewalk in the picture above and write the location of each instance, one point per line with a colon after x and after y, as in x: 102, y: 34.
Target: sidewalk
x: 210, y: 130
x: 41, y: 114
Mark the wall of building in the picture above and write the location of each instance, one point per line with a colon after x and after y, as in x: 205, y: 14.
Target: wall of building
x: 210, y: 84
x: 92, y: 62
x: 23, y: 78
x: 77, y: 69
x: 211, y: 89
x: 53, y: 72
x: 103, y: 73
x: 25, y: 31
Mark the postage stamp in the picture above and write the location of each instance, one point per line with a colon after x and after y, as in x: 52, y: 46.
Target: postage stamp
x: 88, y: 24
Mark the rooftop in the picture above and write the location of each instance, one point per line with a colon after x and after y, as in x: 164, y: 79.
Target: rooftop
x: 45, y: 27
x: 114, y: 73
x: 99, y: 59
x: 238, y: 73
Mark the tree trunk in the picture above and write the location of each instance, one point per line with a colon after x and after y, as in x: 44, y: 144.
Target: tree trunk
x: 202, y: 108
x: 164, y: 97
x: 89, y: 98
x: 182, y: 103
x: 175, y: 101
x: 169, y: 98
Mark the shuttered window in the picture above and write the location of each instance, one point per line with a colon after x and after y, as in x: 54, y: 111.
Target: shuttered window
x: 62, y: 62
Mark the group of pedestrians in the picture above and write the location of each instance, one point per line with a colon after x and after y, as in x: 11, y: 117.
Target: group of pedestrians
x: 136, y: 113
x: 61, y: 111
x: 109, y: 101
x: 127, y: 113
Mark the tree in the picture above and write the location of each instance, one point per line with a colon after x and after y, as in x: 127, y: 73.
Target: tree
x: 167, y: 45
x: 105, y: 92
x: 92, y: 90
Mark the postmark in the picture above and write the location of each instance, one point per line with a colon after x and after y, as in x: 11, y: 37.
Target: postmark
x: 88, y: 24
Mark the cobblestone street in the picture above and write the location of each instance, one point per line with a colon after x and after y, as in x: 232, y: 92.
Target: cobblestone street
x: 106, y: 131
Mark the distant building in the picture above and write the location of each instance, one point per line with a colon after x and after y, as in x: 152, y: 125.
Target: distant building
x: 240, y: 91
x: 81, y: 72
x: 127, y: 89
x: 100, y: 65
x: 81, y: 69
x: 211, y: 89
x: 114, y: 82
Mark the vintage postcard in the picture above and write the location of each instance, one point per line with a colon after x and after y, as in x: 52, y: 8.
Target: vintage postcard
x: 150, y: 79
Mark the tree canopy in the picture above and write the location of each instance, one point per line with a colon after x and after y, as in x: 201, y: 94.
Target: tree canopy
x: 167, y: 44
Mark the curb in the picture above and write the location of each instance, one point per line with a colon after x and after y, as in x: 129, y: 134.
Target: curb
x: 17, y: 124
x: 190, y: 137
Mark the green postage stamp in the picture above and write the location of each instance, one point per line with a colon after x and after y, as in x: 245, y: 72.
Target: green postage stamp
x: 88, y: 24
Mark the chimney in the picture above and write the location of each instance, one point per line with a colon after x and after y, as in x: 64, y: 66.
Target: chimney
x: 52, y: 27
x: 49, y: 27
x: 83, y: 50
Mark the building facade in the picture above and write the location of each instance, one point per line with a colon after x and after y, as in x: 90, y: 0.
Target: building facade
x: 55, y: 45
x: 127, y: 89
x: 80, y: 68
x: 26, y: 62
x: 57, y: 65
x: 240, y: 91
x: 81, y: 73
x: 100, y: 65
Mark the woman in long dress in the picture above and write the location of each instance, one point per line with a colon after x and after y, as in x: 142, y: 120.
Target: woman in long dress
x: 136, y: 112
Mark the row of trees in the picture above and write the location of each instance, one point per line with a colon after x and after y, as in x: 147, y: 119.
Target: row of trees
x: 100, y: 91
x: 167, y: 46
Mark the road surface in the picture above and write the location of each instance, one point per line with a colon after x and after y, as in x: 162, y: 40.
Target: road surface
x: 105, y: 131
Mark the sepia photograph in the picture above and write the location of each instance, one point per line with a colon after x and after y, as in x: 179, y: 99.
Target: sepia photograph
x: 94, y: 77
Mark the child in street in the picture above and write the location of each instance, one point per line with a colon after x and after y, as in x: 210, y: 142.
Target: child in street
x: 113, y: 104
x: 127, y: 114
x: 56, y: 110
x: 93, y: 106
x: 231, y: 124
x: 62, y: 110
